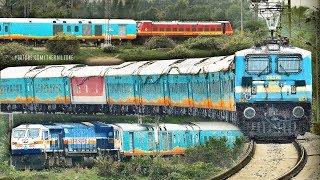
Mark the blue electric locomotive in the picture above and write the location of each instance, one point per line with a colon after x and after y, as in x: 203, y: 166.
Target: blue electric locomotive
x: 273, y: 90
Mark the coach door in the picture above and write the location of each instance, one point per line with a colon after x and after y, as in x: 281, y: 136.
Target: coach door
x: 6, y: 29
x: 98, y: 30
x: 131, y: 142
x: 122, y: 31
x: 57, y: 28
x: 223, y: 28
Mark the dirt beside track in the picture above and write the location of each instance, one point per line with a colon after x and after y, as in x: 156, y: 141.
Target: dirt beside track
x: 311, y: 170
x: 269, y: 162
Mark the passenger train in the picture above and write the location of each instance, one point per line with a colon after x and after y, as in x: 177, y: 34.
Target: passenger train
x: 35, y: 146
x: 265, y: 90
x: 96, y: 30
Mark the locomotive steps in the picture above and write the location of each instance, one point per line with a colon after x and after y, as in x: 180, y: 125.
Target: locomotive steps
x: 271, y: 161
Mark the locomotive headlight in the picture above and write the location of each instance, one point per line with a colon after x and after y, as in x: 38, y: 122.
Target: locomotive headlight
x: 254, y: 90
x: 249, y: 113
x: 293, y: 89
x: 298, y: 112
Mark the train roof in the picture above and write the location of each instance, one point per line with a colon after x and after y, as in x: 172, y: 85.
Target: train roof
x: 15, y: 72
x: 126, y: 68
x: 283, y: 50
x: 134, y: 127
x: 184, y: 66
x: 216, y: 126
x: 74, y: 21
x: 174, y: 127
x: 222, y: 64
x: 30, y: 126
x: 89, y: 71
x: 187, y: 22
x: 50, y: 71
x: 156, y: 67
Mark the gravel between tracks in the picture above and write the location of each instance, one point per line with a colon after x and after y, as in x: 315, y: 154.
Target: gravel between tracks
x: 269, y: 162
x: 311, y: 170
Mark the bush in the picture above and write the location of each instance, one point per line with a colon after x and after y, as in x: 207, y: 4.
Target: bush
x: 159, y: 42
x: 179, y: 52
x: 316, y: 128
x: 63, y: 44
x: 9, y: 52
x: 236, y: 43
x: 202, y: 43
x: 109, y: 48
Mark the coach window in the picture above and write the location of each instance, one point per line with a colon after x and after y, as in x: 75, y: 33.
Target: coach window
x: 206, y: 28
x: 6, y: 28
x: 187, y: 29
x: 213, y: 29
x: 154, y: 28
x: 219, y: 28
x: 68, y: 28
x: 193, y: 28
x: 161, y: 29
x: 0, y: 28
x: 168, y: 29
x: 200, y: 29
x: 181, y: 28
x: 76, y: 28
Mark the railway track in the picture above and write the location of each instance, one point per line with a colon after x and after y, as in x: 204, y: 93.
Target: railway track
x: 268, y: 161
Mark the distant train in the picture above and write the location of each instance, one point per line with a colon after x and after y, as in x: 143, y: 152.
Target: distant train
x: 96, y: 29
x: 265, y: 90
x: 35, y: 146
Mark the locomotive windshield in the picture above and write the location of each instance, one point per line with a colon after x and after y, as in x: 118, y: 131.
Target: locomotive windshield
x: 18, y: 133
x: 288, y: 64
x: 258, y: 65
x: 33, y: 133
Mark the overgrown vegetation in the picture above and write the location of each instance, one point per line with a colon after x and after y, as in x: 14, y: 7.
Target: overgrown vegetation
x: 199, y: 162
x: 9, y: 54
x: 63, y: 44
x: 159, y: 42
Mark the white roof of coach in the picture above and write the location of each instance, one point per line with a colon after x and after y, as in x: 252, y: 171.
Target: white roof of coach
x: 283, y: 50
x: 50, y: 71
x: 222, y: 64
x: 187, y: 22
x: 29, y: 126
x: 185, y: 66
x: 156, y: 67
x: 89, y: 71
x: 74, y: 21
x: 132, y: 127
x: 126, y: 68
x: 216, y: 126
x: 15, y: 72
x: 175, y: 127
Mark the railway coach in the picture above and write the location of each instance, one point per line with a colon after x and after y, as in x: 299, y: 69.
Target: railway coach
x: 84, y: 29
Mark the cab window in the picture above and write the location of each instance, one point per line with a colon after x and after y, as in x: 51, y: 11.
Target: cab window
x: 258, y: 64
x: 33, y: 133
x: 19, y: 133
x: 45, y: 135
x: 288, y: 64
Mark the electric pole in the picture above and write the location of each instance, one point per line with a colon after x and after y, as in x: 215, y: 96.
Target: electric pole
x: 289, y: 17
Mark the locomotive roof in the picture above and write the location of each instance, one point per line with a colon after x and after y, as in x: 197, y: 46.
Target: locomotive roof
x: 133, y: 127
x: 283, y: 50
x: 75, y: 21
x: 126, y: 68
x: 216, y: 126
x: 89, y: 71
x: 50, y: 71
x: 15, y: 72
x: 30, y: 126
x: 156, y: 67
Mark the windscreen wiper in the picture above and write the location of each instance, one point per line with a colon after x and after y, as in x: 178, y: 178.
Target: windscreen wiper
x: 262, y: 71
x: 285, y: 72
